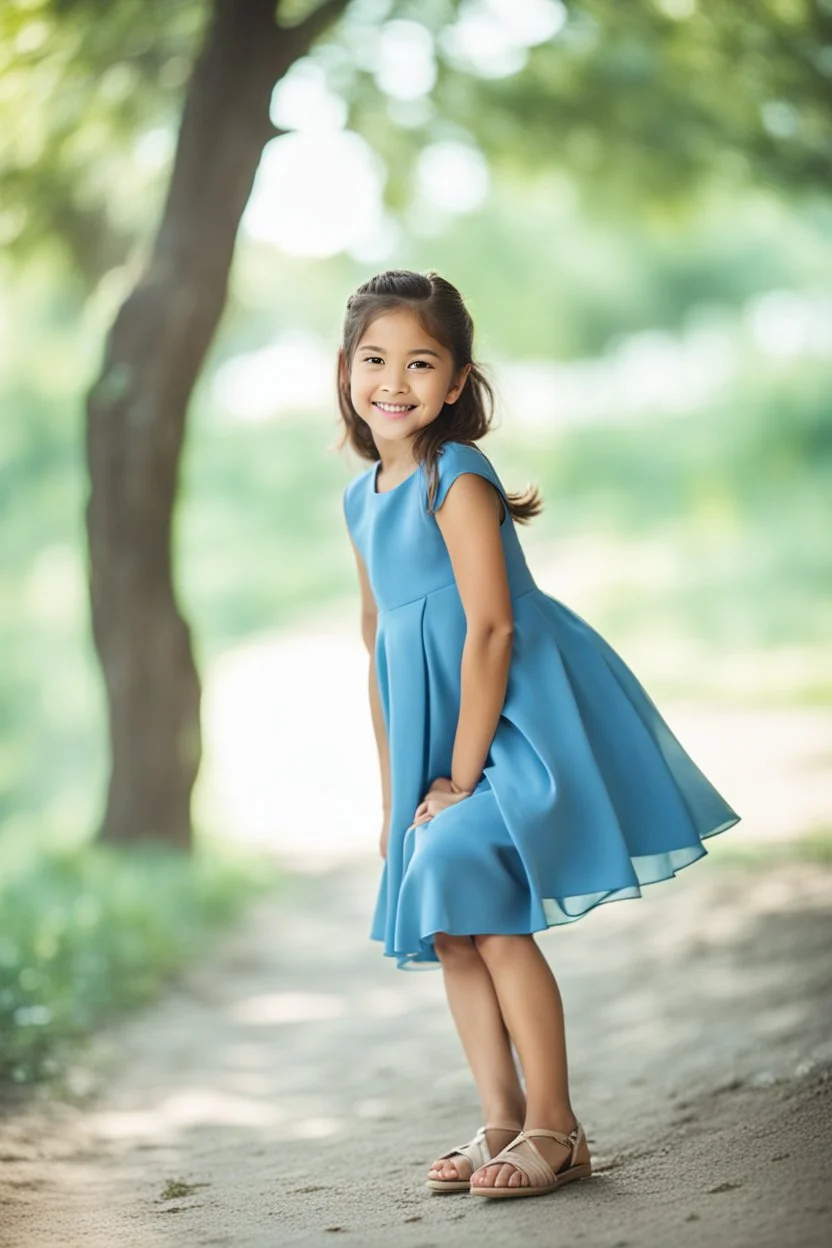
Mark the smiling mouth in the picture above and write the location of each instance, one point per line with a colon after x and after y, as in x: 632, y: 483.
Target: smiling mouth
x: 395, y: 409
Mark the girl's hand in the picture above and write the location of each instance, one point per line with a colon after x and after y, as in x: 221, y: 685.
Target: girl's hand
x: 441, y: 794
x: 385, y: 833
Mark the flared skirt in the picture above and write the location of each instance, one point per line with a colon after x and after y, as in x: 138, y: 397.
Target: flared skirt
x: 586, y: 795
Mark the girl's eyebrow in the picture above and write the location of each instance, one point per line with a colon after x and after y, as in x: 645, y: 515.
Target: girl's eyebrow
x: 368, y: 346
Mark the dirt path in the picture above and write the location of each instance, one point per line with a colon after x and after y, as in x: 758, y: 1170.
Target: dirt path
x: 301, y: 1084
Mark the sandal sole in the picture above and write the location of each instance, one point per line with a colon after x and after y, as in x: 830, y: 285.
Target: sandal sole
x: 506, y: 1193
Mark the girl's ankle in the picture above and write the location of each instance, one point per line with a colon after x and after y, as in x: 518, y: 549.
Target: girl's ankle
x: 504, y: 1118
x: 563, y: 1120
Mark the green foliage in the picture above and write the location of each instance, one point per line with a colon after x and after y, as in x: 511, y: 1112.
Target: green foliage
x: 91, y: 930
x: 739, y: 497
x: 721, y: 89
x: 271, y: 541
x: 773, y: 428
x: 644, y: 102
x: 641, y: 103
x: 91, y: 91
x: 564, y: 279
x: 814, y: 847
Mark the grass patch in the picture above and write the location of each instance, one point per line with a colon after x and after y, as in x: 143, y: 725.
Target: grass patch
x: 92, y: 930
x: 177, y: 1189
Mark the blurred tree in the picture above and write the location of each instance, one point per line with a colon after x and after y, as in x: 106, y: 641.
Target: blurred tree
x: 136, y: 416
x: 649, y: 96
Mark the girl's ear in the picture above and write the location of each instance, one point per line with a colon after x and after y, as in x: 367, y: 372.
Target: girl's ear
x: 459, y: 384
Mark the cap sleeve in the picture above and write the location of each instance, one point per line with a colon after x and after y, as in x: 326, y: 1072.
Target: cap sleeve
x: 456, y: 460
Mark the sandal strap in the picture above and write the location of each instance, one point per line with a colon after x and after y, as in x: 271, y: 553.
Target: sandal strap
x: 532, y: 1163
x: 568, y: 1141
x: 475, y: 1151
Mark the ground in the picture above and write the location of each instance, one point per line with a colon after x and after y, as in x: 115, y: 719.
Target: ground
x: 295, y: 1086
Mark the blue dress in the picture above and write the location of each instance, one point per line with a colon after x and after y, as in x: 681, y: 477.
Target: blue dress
x: 586, y: 794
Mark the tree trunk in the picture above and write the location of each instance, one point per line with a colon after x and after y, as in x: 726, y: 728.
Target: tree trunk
x: 136, y: 415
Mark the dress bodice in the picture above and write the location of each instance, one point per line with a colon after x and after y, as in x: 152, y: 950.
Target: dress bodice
x: 401, y: 543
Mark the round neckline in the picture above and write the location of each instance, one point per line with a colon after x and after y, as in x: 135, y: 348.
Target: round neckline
x: 382, y: 493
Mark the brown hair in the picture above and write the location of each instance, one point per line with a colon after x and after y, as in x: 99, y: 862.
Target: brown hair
x: 442, y: 313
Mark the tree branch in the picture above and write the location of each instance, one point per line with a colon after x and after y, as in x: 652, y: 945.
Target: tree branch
x: 318, y: 21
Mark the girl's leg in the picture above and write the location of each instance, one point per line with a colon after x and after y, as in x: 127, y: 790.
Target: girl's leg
x: 486, y: 1043
x: 530, y: 1003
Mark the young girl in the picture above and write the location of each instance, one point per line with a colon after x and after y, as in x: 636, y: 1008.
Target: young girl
x: 526, y: 775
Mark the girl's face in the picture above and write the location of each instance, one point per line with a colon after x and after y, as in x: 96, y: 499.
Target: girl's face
x: 401, y: 378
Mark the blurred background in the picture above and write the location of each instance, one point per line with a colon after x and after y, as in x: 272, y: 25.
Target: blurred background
x: 634, y: 200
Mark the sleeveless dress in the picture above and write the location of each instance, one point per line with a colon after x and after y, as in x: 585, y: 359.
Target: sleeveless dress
x: 586, y: 794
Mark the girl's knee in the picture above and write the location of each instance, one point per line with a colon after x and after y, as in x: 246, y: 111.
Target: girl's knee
x: 452, y: 947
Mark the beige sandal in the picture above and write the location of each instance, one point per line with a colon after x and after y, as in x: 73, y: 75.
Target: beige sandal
x: 531, y: 1162
x: 476, y: 1151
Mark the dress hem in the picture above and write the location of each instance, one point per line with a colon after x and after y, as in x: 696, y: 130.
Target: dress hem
x: 425, y: 959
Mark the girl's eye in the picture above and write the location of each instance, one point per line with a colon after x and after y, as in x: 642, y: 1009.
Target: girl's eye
x: 377, y: 360
x: 420, y: 364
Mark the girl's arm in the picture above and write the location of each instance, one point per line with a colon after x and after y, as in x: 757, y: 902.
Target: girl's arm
x: 469, y: 520
x: 369, y: 616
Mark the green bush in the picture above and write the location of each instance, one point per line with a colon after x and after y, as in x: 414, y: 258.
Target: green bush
x: 89, y: 931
